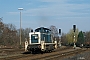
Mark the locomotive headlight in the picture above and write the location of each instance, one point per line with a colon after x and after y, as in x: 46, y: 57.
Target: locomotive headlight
x: 36, y: 37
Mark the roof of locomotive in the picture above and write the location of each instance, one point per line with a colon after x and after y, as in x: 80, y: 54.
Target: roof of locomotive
x: 42, y: 28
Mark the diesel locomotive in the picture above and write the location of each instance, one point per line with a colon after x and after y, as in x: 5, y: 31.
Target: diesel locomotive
x: 41, y: 40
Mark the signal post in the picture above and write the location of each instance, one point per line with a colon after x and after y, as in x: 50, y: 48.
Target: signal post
x: 74, y: 29
x: 59, y: 37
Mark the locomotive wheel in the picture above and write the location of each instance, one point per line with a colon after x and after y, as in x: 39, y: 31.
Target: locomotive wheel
x: 41, y: 52
x: 50, y: 51
x: 31, y: 52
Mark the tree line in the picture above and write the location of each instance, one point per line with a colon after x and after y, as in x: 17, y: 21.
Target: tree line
x: 80, y: 37
x: 10, y: 36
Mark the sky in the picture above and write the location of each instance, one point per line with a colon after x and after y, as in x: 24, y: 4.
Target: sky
x: 36, y: 13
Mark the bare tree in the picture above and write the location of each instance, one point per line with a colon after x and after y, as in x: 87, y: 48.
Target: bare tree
x: 24, y: 34
x: 54, y: 31
x: 64, y: 39
x: 87, y: 37
x: 8, y: 35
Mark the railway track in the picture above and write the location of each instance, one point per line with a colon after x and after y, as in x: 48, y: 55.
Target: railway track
x: 47, y: 56
x: 17, y: 56
x: 14, y: 57
x: 6, y: 52
x: 61, y: 55
x: 50, y: 56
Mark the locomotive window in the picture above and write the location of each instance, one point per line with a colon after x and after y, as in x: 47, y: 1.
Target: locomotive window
x: 34, y: 38
x: 47, y: 38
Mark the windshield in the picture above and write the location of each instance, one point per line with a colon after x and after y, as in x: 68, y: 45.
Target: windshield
x: 34, y: 38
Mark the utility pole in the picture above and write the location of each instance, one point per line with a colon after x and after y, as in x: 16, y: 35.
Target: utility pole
x: 20, y: 23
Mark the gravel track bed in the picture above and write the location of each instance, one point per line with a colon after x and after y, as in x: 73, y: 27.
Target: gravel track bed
x: 39, y: 56
x: 20, y: 56
x: 59, y: 54
x: 81, y: 56
x: 10, y: 52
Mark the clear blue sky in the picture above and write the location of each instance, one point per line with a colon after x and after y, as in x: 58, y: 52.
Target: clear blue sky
x: 60, y: 13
